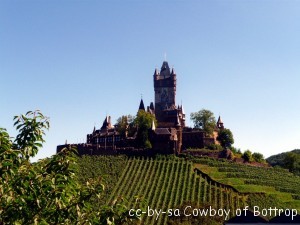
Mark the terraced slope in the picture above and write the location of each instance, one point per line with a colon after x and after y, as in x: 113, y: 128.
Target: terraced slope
x: 279, y: 183
x: 169, y: 183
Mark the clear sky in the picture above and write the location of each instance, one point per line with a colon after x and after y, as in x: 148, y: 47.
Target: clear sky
x: 77, y: 61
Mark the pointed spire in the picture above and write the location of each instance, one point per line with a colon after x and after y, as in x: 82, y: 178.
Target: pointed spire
x: 142, y: 106
x: 220, y: 123
x: 219, y: 120
x: 177, y: 121
x: 182, y: 109
x: 151, y: 106
x: 153, y: 126
x: 173, y: 72
x: 156, y: 73
x: 165, y: 69
x: 106, y: 123
x: 94, y: 130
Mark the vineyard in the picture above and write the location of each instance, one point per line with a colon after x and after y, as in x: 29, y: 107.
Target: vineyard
x: 169, y: 182
x: 247, y: 178
x: 108, y: 168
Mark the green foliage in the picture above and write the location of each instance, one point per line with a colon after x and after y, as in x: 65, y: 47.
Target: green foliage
x: 258, y: 157
x: 46, y: 192
x: 235, y: 150
x: 247, y: 156
x: 225, y: 137
x: 143, y: 121
x: 264, y: 201
x: 289, y: 160
x: 108, y: 168
x: 231, y: 156
x: 169, y: 182
x: 278, y: 160
x: 292, y: 162
x: 125, y: 125
x: 214, y: 147
x: 31, y: 127
x: 205, y: 120
x: 279, y: 185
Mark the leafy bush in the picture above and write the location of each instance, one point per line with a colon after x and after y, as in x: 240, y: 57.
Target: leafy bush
x: 247, y: 156
x: 46, y: 192
x: 258, y: 157
x: 214, y: 147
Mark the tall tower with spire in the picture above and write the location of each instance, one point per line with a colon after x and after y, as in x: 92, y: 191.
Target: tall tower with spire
x: 165, y: 89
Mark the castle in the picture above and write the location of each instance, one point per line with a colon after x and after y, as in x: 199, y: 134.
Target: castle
x: 170, y: 136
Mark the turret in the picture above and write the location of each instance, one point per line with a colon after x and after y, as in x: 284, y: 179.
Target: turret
x: 142, y: 106
x: 220, y: 123
x: 165, y: 70
x: 173, y: 74
x: 106, y: 123
x: 153, y: 127
x: 177, y: 124
x: 152, y: 106
x: 156, y: 74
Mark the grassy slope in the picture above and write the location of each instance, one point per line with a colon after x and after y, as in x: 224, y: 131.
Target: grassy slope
x: 239, y: 184
x: 170, y: 182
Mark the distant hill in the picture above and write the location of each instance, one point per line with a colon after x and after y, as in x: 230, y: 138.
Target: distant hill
x: 278, y: 160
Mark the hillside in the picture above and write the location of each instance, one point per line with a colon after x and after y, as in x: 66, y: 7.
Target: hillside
x: 171, y: 182
x: 278, y: 160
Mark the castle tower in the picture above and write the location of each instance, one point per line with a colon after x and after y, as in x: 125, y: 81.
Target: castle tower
x: 165, y: 89
x: 220, y: 123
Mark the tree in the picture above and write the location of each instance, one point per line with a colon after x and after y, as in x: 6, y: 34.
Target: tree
x: 144, y: 121
x: 292, y: 162
x: 205, y: 120
x: 247, y: 156
x: 125, y: 125
x: 225, y: 138
x: 236, y: 150
x: 46, y: 192
x: 258, y: 157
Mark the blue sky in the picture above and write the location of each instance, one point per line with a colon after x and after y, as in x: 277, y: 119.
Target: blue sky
x: 77, y: 61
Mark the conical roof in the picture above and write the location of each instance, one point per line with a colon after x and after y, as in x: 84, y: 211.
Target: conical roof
x: 219, y: 120
x: 165, y: 69
x: 142, y: 106
x: 153, y: 127
x: 173, y: 71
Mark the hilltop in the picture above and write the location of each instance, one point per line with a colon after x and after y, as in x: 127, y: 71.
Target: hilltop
x: 289, y: 160
x: 278, y: 159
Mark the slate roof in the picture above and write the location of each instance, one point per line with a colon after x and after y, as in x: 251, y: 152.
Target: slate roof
x: 165, y: 69
x: 142, y: 106
x: 162, y: 131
